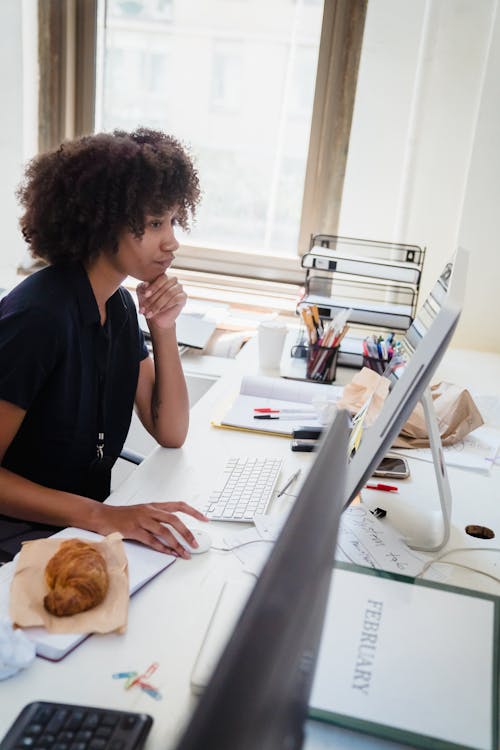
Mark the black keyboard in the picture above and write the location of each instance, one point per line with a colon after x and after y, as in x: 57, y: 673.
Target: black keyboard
x: 60, y: 726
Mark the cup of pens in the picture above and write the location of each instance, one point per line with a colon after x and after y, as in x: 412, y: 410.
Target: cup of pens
x: 322, y: 363
x: 323, y: 343
x: 378, y: 352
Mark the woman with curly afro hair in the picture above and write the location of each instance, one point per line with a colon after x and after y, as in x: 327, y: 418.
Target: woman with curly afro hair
x: 73, y: 362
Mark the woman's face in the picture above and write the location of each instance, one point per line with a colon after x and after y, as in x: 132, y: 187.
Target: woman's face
x: 147, y: 257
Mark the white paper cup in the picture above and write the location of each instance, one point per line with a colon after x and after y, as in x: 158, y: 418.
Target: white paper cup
x: 271, y: 335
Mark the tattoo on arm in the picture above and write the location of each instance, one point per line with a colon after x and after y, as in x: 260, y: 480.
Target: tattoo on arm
x: 155, y: 406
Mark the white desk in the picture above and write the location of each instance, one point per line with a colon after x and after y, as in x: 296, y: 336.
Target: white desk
x: 167, y: 618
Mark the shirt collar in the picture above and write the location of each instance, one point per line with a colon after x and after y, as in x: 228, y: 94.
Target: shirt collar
x: 87, y: 304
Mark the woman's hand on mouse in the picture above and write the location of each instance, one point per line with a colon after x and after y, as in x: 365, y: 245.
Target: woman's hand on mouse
x: 144, y: 523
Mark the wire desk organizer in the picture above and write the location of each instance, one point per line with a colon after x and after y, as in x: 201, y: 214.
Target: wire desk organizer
x: 377, y: 281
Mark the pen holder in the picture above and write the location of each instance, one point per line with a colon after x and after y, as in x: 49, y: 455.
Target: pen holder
x: 322, y: 363
x: 376, y: 364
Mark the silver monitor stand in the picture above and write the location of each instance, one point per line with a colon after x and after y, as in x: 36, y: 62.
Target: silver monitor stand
x: 440, y: 472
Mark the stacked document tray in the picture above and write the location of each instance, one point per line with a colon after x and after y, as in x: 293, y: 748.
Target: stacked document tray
x: 378, y: 281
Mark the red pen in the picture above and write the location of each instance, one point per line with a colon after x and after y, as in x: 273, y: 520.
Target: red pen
x: 382, y: 487
x: 297, y: 410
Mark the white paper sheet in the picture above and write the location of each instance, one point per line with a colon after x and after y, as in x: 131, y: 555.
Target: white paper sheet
x: 268, y: 526
x: 373, y: 543
x: 489, y: 406
x: 478, y: 451
x: 250, y: 547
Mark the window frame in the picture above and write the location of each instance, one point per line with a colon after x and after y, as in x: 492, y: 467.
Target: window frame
x: 67, y: 60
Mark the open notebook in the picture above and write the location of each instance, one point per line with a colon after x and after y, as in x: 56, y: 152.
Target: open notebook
x: 291, y: 404
x: 143, y: 565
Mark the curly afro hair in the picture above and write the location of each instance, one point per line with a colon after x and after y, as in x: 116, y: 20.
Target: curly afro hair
x: 81, y: 196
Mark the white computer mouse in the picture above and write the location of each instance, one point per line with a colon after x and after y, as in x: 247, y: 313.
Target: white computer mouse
x: 203, y: 539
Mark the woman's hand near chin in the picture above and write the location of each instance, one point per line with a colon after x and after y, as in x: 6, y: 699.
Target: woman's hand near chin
x: 161, y: 300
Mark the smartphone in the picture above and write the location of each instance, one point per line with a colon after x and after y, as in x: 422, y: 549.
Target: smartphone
x: 393, y: 466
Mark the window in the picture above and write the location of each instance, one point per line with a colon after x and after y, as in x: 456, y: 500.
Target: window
x: 239, y: 89
x: 260, y: 93
x: 227, y: 84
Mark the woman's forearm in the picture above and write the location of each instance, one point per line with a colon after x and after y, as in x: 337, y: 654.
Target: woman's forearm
x: 21, y: 498
x: 169, y: 397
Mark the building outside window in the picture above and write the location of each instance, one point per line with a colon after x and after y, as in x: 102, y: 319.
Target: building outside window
x: 235, y: 81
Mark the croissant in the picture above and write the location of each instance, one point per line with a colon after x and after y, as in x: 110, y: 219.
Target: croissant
x: 77, y: 578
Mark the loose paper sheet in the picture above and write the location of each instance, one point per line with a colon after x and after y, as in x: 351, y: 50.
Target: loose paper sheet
x: 477, y: 451
x: 489, y: 406
x: 365, y: 540
x: 252, y: 546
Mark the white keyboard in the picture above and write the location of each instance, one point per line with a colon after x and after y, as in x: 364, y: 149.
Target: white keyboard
x: 244, y: 489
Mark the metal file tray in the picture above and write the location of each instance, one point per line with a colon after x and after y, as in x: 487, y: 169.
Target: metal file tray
x: 380, y: 281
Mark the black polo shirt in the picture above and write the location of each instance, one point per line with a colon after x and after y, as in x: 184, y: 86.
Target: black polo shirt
x: 52, y: 352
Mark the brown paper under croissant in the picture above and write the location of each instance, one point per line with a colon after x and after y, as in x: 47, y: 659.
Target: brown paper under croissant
x: 29, y: 587
x: 456, y: 413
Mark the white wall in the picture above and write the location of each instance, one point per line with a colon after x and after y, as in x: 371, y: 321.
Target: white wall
x: 18, y: 95
x: 423, y: 152
x: 11, y: 131
x: 480, y: 221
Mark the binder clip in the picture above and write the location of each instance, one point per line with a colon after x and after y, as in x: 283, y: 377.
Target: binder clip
x: 378, y: 512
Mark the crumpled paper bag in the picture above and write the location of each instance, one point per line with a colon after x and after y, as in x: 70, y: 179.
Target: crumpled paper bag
x: 16, y: 650
x: 456, y: 413
x: 29, y: 588
x: 365, y: 384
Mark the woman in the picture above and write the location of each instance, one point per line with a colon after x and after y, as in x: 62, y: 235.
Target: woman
x: 72, y: 358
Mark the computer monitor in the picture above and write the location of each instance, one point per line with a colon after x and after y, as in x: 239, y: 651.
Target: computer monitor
x: 258, y: 695
x: 423, y: 348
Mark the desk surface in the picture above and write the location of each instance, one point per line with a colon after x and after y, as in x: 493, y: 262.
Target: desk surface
x: 168, y: 617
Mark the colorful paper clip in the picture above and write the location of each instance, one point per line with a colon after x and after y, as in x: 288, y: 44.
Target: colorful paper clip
x: 135, y: 679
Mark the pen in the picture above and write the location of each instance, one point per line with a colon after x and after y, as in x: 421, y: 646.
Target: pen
x: 382, y: 487
x: 290, y: 482
x: 268, y: 410
x: 293, y: 417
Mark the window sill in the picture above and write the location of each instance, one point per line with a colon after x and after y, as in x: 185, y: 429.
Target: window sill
x: 248, y: 301
x: 245, y: 294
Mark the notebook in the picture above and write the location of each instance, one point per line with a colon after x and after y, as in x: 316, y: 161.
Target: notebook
x: 143, y: 565
x: 411, y: 660
x: 289, y: 403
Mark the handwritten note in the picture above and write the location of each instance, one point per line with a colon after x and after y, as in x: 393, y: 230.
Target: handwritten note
x: 365, y: 540
x: 362, y: 539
